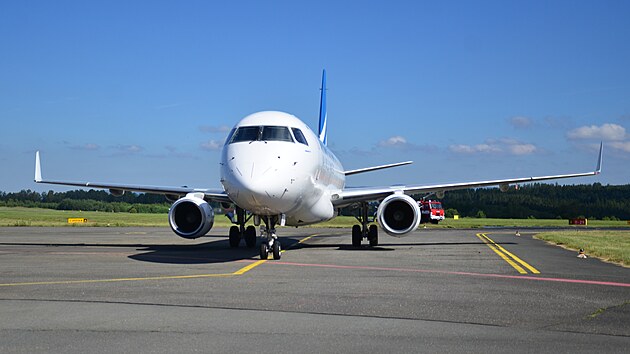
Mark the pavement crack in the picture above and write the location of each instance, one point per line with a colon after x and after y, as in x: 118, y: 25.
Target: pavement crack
x: 603, y: 310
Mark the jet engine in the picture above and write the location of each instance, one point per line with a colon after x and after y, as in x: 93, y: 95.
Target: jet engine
x: 191, y: 217
x: 398, y: 214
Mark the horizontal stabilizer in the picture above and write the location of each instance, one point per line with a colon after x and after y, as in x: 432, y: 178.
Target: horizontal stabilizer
x: 368, y: 169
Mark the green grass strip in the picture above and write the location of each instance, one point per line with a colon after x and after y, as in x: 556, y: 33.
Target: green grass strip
x: 611, y: 246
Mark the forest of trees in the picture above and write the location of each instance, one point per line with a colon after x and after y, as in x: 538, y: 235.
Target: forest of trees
x: 540, y: 201
x: 544, y: 201
x: 92, y: 200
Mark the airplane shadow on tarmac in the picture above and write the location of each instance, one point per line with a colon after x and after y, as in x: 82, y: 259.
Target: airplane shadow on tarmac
x: 219, y: 251
x: 389, y: 246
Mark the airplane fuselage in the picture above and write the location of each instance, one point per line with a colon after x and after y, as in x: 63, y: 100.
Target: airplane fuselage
x: 274, y: 164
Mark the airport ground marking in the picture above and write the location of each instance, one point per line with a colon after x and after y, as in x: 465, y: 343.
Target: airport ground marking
x: 514, y: 257
x: 249, y: 267
x: 241, y: 271
x: 507, y: 256
x: 446, y: 272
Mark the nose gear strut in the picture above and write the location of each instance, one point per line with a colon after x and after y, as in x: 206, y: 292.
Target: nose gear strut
x: 271, y: 244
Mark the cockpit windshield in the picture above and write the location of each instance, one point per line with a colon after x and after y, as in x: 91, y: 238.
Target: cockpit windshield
x: 245, y: 134
x: 261, y: 133
x: 270, y: 133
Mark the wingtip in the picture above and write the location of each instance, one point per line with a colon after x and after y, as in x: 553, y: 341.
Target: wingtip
x: 38, y: 168
x: 598, y: 169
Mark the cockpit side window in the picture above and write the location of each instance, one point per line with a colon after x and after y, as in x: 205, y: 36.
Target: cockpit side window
x: 299, y: 136
x: 273, y: 133
x: 245, y: 134
x: 229, y: 137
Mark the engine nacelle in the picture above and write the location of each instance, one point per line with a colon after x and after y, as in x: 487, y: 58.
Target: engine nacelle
x: 191, y: 217
x: 398, y: 214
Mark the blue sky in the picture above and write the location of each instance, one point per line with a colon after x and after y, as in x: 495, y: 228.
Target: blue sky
x: 144, y: 92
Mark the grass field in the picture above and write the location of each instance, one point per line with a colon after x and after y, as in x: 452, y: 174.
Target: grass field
x: 48, y: 217
x: 612, y: 246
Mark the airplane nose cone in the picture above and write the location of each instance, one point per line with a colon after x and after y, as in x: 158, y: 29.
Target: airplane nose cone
x: 258, y: 186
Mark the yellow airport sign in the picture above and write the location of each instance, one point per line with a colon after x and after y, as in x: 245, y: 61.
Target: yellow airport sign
x: 77, y: 220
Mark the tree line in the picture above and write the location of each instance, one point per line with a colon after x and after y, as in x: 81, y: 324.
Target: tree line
x: 539, y: 200
x: 91, y: 200
x: 543, y: 201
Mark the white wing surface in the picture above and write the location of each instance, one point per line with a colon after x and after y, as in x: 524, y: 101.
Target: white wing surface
x: 118, y: 188
x: 361, y: 194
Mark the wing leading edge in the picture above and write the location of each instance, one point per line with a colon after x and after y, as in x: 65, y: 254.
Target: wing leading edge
x: 361, y: 194
x: 209, y: 194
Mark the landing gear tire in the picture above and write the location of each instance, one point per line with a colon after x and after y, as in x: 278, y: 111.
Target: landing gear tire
x: 235, y: 236
x: 264, y: 251
x: 250, y: 237
x: 373, y: 235
x: 276, y: 250
x: 357, y: 236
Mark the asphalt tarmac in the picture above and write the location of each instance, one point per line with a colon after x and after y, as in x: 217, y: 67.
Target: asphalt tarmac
x: 109, y: 290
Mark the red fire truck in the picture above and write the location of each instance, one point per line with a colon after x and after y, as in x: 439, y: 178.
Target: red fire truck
x: 431, y: 211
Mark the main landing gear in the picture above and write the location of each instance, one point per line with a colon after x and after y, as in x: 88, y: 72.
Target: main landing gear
x: 238, y: 232
x: 359, y: 232
x: 271, y: 243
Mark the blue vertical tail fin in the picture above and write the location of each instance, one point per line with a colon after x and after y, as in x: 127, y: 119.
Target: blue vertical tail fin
x: 323, y: 116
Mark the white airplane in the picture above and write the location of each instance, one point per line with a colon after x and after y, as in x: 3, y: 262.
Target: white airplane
x: 275, y: 169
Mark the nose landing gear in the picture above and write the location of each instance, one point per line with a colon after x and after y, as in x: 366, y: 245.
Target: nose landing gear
x: 271, y: 243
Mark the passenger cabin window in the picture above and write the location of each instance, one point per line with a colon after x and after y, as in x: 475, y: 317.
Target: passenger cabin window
x: 299, y: 136
x: 264, y: 133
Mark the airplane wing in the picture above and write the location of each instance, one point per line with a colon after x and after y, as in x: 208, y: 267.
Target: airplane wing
x: 362, y: 194
x: 118, y: 188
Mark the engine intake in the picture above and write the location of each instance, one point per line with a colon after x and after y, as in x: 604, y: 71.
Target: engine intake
x: 191, y: 217
x: 398, y: 214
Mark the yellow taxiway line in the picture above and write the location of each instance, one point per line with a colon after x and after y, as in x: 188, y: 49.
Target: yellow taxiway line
x: 241, y: 271
x: 507, y: 256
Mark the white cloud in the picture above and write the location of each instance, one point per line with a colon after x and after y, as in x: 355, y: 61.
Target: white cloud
x: 521, y: 122
x: 86, y: 147
x: 211, y: 145
x: 394, y: 141
x: 606, y: 131
x: 522, y: 149
x: 214, y: 129
x: 496, y: 146
x: 129, y: 149
x: 621, y: 145
x: 474, y: 149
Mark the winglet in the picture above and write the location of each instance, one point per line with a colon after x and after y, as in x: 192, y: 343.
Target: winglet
x: 38, y: 168
x: 323, y: 116
x: 598, y: 169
